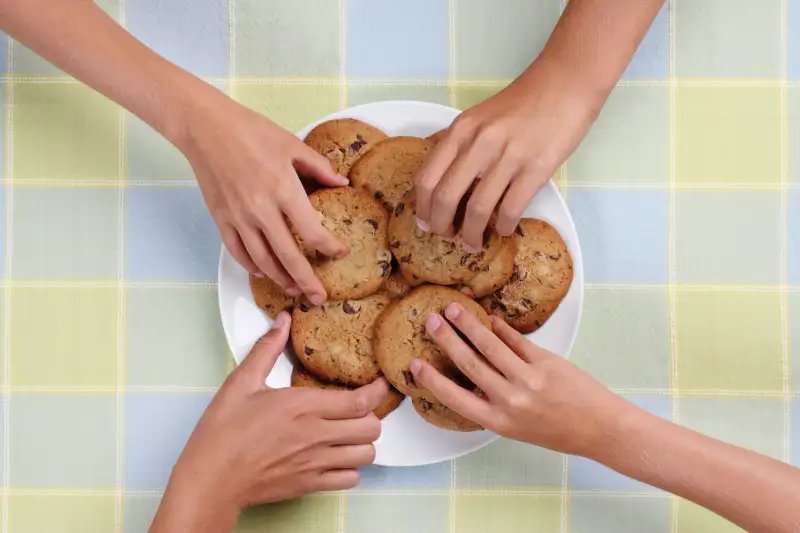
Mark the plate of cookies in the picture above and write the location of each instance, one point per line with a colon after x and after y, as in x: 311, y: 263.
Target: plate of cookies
x: 395, y: 275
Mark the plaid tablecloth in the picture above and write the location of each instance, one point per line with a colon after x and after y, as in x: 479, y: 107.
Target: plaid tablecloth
x: 684, y: 193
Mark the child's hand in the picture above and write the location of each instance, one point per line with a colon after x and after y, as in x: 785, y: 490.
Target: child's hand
x: 256, y: 445
x: 531, y: 395
x: 247, y: 168
x: 514, y: 141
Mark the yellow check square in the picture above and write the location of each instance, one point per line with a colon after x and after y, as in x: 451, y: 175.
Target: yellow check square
x: 291, y: 106
x: 695, y: 519
x: 729, y: 340
x: 480, y: 514
x: 62, y: 513
x: 728, y: 135
x: 313, y: 514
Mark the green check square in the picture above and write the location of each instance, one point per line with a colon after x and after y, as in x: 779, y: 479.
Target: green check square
x: 65, y: 513
x: 506, y: 512
x: 363, y: 94
x: 290, y: 106
x: 509, y: 464
x: 312, y: 514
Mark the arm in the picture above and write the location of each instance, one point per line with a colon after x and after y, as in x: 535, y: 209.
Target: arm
x: 517, y: 139
x: 245, y: 164
x: 535, y: 396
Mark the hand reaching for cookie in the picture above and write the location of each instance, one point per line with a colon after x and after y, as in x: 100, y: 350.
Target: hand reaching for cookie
x: 255, y: 444
x: 247, y: 168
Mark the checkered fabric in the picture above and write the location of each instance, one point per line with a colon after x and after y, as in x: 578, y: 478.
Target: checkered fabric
x: 684, y: 193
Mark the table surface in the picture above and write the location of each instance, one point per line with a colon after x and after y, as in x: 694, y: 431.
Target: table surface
x: 684, y: 194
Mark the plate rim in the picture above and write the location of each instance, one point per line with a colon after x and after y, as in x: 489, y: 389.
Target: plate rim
x: 577, y: 257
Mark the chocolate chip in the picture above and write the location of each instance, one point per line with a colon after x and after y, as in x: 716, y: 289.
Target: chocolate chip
x: 481, y: 255
x: 527, y: 304
x: 464, y: 259
x: 386, y: 268
x: 372, y: 222
x: 378, y: 195
x: 425, y: 404
x: 515, y: 273
x: 308, y: 351
x: 414, y: 312
x: 406, y: 259
x: 303, y: 308
x: 356, y: 146
x: 554, y: 257
x: 519, y: 231
x: 409, y: 377
x: 349, y: 309
x: 394, y: 244
x: 474, y: 267
x: 399, y: 209
x: 347, y: 221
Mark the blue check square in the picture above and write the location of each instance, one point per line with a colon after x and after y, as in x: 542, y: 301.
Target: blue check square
x: 585, y: 474
x: 650, y: 60
x: 794, y: 237
x: 623, y: 234
x: 191, y: 33
x: 429, y: 476
x: 169, y: 235
x: 391, y: 39
x: 157, y: 427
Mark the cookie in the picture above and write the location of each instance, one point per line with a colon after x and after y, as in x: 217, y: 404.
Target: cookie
x: 269, y: 296
x: 396, y: 286
x: 400, y: 336
x: 436, y: 137
x: 495, y: 274
x: 387, y: 171
x: 334, y: 341
x: 302, y: 378
x: 541, y: 278
x: 342, y: 141
x: 440, y: 415
x: 361, y: 224
x: 429, y: 257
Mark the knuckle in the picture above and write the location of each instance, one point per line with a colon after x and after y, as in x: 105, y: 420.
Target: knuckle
x: 465, y: 123
x: 479, y: 207
x: 360, y: 405
x: 518, y: 401
x: 446, y: 196
x: 491, y: 135
x: 471, y: 366
x: 374, y: 428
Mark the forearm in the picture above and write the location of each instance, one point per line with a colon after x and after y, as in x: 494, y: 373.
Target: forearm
x: 593, y: 43
x: 78, y: 37
x: 755, y: 492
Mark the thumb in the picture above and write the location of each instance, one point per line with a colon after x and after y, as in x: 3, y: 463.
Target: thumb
x: 265, y: 352
x: 313, y: 165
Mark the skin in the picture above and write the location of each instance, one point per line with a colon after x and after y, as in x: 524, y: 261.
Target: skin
x: 534, y: 396
x: 287, y: 443
x: 245, y: 164
x: 517, y: 139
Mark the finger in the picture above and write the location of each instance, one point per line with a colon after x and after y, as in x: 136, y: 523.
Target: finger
x: 456, y: 398
x: 473, y: 366
x: 261, y: 253
x: 454, y: 183
x: 353, y: 404
x: 519, y: 344
x: 265, y: 352
x: 235, y: 246
x: 313, y: 165
x: 293, y: 260
x: 484, y: 200
x: 305, y: 220
x: 486, y: 342
x: 344, y: 457
x: 335, y: 480
x: 430, y: 174
x: 518, y: 197
x: 364, y: 430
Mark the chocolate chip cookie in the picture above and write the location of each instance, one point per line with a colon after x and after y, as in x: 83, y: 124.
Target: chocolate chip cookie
x: 495, y: 274
x: 387, y: 171
x: 342, y: 141
x: 269, y: 296
x: 436, y: 137
x: 541, y: 278
x: 440, y: 415
x: 429, y: 257
x: 400, y: 336
x: 302, y: 378
x: 334, y: 341
x: 361, y: 224
x: 396, y: 286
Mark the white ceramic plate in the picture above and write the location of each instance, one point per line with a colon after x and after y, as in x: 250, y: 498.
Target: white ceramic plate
x: 407, y: 440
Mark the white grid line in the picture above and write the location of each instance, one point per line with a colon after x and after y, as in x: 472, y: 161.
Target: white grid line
x: 784, y: 267
x: 341, y: 515
x: 9, y: 210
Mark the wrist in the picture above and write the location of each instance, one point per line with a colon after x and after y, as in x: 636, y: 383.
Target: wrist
x: 617, y: 433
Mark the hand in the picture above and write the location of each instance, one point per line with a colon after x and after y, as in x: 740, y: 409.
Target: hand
x: 247, y: 168
x: 514, y: 142
x: 255, y: 444
x: 531, y: 395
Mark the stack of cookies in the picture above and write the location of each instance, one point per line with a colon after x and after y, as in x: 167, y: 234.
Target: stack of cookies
x: 396, y: 275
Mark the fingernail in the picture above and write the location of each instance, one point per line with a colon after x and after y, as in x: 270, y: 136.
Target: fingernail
x: 421, y: 224
x: 293, y: 291
x: 281, y: 320
x: 343, y: 253
x: 317, y: 299
x: 433, y: 323
x: 258, y: 274
x: 452, y: 311
x: 469, y: 248
x: 415, y: 366
x: 344, y: 180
